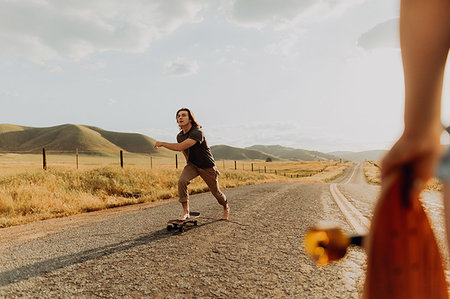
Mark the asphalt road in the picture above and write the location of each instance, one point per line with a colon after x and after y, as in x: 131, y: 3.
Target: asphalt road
x: 257, y: 253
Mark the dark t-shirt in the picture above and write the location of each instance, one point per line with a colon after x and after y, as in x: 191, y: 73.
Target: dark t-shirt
x: 199, y: 154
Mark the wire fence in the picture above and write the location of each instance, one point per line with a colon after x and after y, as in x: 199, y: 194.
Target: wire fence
x: 78, y: 159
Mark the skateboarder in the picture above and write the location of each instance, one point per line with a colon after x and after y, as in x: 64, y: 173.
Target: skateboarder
x: 200, y: 161
x: 425, y: 42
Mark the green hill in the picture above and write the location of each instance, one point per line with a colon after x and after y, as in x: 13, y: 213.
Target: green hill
x: 5, y: 128
x: 225, y: 152
x: 68, y: 137
x: 131, y: 142
x: 94, y: 140
x: 293, y: 154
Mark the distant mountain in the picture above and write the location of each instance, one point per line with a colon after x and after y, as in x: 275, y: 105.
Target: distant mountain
x: 89, y: 139
x: 68, y: 137
x: 374, y: 155
x: 262, y: 152
x: 293, y: 154
x: 225, y: 152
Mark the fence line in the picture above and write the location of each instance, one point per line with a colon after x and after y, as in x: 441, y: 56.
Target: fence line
x: 77, y: 157
x: 44, y: 159
x: 252, y: 168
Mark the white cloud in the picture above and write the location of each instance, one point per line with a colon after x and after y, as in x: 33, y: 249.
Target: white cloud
x: 51, y: 68
x: 383, y: 35
x: 181, y: 67
x: 111, y: 101
x: 95, y: 66
x: 10, y: 94
x: 105, y: 80
x: 282, y: 14
x: 42, y: 30
x: 286, y: 47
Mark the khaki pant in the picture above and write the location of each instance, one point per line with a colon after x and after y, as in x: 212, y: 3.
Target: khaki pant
x: 209, y: 175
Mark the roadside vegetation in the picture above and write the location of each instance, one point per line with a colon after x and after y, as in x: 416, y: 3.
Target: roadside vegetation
x: 373, y: 176
x: 28, y: 193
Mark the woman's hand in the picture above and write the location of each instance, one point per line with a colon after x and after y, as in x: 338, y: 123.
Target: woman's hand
x: 421, y: 150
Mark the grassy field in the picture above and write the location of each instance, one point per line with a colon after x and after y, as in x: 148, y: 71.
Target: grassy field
x: 28, y: 193
x: 373, y: 176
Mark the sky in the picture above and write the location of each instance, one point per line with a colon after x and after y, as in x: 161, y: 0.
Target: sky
x: 318, y: 75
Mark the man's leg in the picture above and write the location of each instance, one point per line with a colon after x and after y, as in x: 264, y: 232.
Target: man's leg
x: 189, y: 172
x: 211, y: 179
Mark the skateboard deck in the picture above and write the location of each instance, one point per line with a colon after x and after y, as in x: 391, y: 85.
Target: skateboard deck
x: 176, y: 224
x: 403, y: 258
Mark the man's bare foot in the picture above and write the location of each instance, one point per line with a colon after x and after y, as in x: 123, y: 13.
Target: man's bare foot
x: 226, y: 212
x: 184, y: 217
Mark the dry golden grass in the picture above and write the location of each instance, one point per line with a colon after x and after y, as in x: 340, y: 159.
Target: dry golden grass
x: 372, y: 173
x: 373, y: 176
x: 59, y: 192
x: 28, y: 193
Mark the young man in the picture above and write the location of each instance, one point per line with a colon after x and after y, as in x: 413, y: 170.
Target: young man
x: 200, y: 161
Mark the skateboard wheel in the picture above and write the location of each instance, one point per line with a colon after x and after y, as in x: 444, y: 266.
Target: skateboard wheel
x: 169, y: 227
x: 195, y: 222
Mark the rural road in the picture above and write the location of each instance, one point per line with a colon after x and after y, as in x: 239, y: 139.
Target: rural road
x: 258, y: 253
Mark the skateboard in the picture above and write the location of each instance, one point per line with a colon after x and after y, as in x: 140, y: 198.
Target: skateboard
x: 403, y: 258
x: 180, y: 225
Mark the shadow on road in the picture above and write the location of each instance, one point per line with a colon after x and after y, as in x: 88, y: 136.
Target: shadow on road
x: 46, y: 266
x: 220, y: 220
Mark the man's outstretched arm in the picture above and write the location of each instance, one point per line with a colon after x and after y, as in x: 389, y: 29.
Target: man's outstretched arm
x: 176, y: 146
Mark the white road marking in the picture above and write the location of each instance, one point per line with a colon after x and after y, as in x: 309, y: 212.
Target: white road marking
x: 354, y: 217
x: 356, y: 220
x: 354, y: 169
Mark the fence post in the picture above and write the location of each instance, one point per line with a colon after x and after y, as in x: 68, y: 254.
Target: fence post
x: 44, y: 159
x: 235, y: 166
x: 121, y: 158
x: 76, y: 155
x: 176, y: 161
x: 151, y: 162
x: 252, y: 167
x: 265, y: 169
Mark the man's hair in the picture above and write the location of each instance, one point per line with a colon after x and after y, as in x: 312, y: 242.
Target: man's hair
x: 191, y: 117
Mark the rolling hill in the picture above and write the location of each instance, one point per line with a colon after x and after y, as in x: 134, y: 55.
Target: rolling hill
x: 94, y: 140
x: 225, y: 152
x: 262, y: 152
x: 68, y: 137
x: 293, y: 154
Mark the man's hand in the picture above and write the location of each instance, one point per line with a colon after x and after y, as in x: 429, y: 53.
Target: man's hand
x: 158, y: 144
